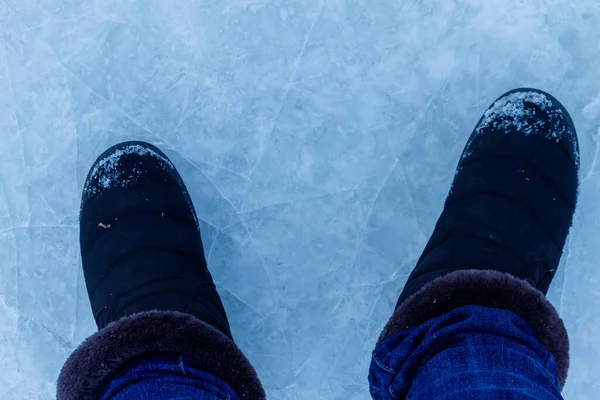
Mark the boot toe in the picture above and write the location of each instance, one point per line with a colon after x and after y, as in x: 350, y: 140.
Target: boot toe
x: 124, y: 165
x: 529, y: 112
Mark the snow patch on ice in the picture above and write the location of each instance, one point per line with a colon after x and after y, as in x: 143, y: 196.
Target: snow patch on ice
x: 592, y: 109
x: 107, y: 174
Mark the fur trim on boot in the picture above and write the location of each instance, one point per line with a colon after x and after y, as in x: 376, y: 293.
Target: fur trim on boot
x: 489, y: 289
x: 91, y: 365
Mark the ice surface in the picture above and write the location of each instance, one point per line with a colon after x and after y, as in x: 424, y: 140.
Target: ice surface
x: 318, y: 140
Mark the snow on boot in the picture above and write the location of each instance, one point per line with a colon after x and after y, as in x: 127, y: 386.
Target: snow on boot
x: 146, y: 276
x: 500, y: 236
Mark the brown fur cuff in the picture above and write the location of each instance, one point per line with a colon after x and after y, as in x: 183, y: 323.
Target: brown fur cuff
x: 489, y: 289
x: 91, y: 365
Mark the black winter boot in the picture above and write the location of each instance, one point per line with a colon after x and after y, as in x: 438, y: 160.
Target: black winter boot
x: 501, y: 233
x: 146, y: 276
x: 513, y: 197
x: 140, y: 244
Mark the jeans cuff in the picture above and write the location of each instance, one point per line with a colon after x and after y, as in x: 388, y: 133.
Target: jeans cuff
x: 91, y: 365
x: 488, y: 289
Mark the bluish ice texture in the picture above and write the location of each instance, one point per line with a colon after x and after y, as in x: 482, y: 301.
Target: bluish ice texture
x: 317, y: 138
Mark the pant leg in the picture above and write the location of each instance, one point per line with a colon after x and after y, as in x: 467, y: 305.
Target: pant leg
x: 162, y: 376
x: 472, y: 352
x: 106, y: 358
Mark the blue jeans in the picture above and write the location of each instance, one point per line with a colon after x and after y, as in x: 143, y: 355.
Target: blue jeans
x: 165, y: 376
x: 472, y: 352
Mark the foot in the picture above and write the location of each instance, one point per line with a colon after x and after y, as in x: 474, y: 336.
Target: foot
x: 140, y: 244
x: 513, y: 197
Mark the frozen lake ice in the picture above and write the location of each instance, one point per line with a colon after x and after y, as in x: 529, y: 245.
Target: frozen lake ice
x: 318, y: 139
